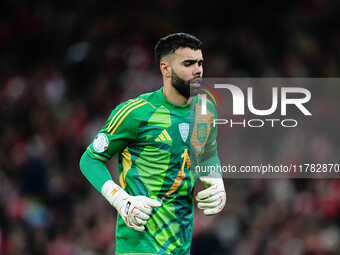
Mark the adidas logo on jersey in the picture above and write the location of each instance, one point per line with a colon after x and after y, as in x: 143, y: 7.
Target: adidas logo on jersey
x: 164, y: 137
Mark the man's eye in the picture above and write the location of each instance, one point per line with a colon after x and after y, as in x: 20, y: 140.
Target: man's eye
x: 200, y: 63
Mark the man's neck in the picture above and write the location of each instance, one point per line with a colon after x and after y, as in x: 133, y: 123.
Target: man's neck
x: 173, y: 96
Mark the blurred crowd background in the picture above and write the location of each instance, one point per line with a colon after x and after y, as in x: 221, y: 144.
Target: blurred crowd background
x: 65, y: 65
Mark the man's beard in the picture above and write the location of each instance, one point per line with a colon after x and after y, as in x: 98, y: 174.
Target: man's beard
x: 182, y: 86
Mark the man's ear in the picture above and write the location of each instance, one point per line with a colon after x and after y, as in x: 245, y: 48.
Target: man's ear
x: 165, y: 68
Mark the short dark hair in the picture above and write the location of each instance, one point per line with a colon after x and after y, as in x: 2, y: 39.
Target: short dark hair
x: 170, y: 43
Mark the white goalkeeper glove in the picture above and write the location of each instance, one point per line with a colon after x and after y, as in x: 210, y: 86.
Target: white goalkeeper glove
x: 134, y: 210
x: 211, y: 200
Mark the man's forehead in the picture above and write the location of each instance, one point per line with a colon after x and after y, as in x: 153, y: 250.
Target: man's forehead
x: 187, y: 53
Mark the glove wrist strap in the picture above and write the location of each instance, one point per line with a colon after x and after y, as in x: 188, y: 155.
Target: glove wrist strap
x: 113, y: 193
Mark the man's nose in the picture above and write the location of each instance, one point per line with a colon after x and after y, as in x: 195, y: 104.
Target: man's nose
x: 198, y: 70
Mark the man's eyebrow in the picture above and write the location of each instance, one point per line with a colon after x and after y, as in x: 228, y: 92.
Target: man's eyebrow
x: 192, y: 61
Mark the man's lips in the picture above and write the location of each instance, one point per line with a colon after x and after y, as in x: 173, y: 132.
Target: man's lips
x: 195, y: 83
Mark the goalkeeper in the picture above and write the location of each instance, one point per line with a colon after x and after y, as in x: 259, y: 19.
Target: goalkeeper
x: 152, y: 134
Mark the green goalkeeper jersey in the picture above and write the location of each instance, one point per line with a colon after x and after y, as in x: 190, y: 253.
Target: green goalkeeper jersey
x: 155, y: 140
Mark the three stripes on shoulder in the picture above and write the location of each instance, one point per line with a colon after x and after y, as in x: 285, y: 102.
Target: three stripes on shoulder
x: 123, y: 112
